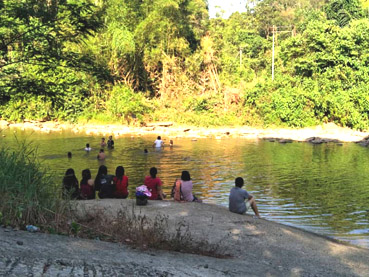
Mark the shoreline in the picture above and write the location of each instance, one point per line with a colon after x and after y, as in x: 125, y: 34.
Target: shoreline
x: 318, y: 134
x: 255, y: 247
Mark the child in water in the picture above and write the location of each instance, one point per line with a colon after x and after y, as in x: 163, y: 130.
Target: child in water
x: 88, y: 148
x: 101, y: 155
x: 103, y: 143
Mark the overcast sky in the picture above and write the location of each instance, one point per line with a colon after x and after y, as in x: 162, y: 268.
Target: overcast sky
x: 229, y: 6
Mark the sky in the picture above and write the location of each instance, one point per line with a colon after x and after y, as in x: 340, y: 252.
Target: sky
x: 229, y: 6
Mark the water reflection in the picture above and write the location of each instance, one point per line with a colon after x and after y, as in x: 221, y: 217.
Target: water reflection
x: 323, y: 188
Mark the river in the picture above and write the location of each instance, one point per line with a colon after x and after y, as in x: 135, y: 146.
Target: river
x: 321, y: 188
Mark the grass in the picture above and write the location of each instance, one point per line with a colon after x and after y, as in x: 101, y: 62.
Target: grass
x: 28, y: 192
x: 140, y: 231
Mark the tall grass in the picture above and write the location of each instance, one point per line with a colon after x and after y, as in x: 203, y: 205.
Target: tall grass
x: 28, y: 193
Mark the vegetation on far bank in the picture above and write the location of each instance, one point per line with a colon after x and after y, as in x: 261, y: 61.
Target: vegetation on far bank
x: 137, y: 61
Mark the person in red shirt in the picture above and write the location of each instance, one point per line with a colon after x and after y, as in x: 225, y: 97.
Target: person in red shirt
x: 154, y: 184
x: 121, y: 183
x: 87, y: 185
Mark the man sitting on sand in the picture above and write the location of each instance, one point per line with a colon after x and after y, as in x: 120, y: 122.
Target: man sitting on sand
x: 237, y: 199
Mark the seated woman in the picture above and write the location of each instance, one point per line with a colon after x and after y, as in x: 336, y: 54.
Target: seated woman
x: 154, y: 185
x: 121, y: 183
x: 104, y: 183
x: 70, y: 185
x: 87, y: 185
x: 183, y: 189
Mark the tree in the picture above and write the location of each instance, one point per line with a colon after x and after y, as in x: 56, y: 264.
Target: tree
x: 37, y: 37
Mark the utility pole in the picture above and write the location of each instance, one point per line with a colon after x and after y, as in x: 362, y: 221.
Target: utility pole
x: 290, y: 29
x: 273, y: 53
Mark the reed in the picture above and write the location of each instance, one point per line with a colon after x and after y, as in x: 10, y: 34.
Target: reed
x: 28, y: 191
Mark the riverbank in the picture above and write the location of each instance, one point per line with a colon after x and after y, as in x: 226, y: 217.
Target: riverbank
x: 256, y: 247
x: 319, y: 134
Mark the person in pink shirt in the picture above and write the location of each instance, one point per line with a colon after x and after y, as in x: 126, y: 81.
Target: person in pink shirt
x: 154, y: 185
x: 186, y: 188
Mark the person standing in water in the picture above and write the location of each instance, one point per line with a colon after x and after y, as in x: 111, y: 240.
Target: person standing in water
x: 102, y: 143
x: 110, y: 142
x: 88, y: 148
x: 158, y: 142
x: 101, y: 155
x: 237, y: 199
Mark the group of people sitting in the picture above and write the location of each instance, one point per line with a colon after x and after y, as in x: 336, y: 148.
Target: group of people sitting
x: 116, y: 186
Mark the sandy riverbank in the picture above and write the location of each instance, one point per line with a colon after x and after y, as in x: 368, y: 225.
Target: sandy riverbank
x: 257, y: 247
x: 318, y: 134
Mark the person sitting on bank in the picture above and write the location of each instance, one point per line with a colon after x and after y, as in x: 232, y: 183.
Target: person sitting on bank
x: 102, y: 143
x: 154, y: 185
x: 104, y: 183
x: 101, y: 155
x: 121, y: 183
x: 87, y: 185
x: 158, y: 142
x: 237, y: 199
x: 88, y: 148
x: 182, y: 190
x: 110, y: 142
x: 70, y: 185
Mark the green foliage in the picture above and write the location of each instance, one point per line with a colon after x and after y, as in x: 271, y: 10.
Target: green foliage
x: 130, y: 61
x: 344, y: 11
x: 125, y: 103
x: 27, y: 191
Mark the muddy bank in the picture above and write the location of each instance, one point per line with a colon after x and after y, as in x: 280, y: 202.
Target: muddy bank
x: 319, y: 134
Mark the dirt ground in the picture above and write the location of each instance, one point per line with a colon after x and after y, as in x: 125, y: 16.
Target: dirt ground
x: 257, y: 248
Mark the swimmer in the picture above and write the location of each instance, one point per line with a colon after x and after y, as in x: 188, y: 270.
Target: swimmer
x: 69, y: 155
x: 102, y: 143
x: 145, y: 151
x: 101, y: 155
x: 88, y: 148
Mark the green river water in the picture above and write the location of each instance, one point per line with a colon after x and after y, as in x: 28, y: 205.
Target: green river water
x: 321, y: 188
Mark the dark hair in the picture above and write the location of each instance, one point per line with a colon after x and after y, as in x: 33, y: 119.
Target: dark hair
x: 145, y: 151
x: 101, y: 150
x: 70, y: 172
x: 86, y: 175
x: 185, y: 176
x: 69, y: 154
x: 153, y: 172
x: 87, y: 145
x: 103, y: 170
x: 70, y: 182
x: 239, y: 182
x: 159, y: 137
x: 119, y: 172
x: 102, y: 138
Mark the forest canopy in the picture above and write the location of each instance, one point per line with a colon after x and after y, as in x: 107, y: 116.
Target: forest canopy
x: 135, y: 61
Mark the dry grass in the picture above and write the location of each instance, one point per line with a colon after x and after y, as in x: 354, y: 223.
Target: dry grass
x: 140, y: 231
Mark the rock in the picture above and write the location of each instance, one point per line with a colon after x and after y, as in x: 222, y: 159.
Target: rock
x: 19, y: 242
x: 285, y: 141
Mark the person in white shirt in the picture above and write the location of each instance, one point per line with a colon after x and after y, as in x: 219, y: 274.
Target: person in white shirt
x: 158, y: 143
x: 88, y: 148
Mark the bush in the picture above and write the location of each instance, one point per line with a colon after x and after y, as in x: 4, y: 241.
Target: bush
x: 124, y: 103
x: 28, y: 192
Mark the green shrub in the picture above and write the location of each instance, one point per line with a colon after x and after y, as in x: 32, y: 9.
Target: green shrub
x: 124, y: 103
x: 28, y: 193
